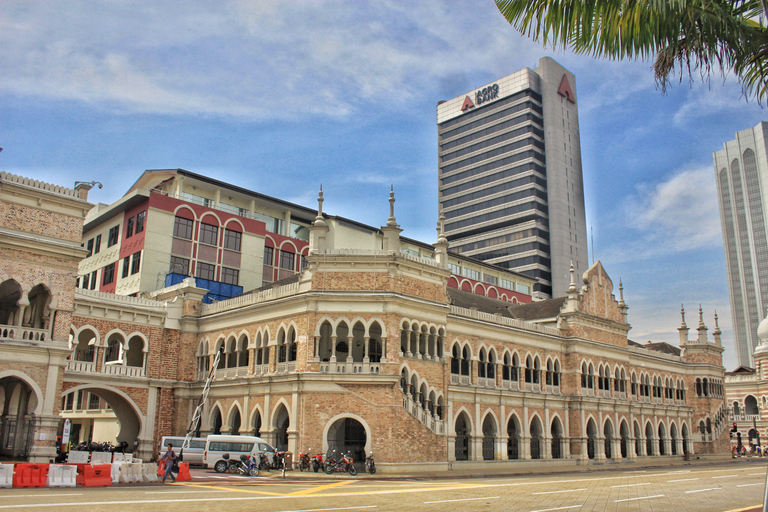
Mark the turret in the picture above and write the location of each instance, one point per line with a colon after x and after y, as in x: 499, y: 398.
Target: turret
x: 683, y: 329
x: 318, y: 231
x: 622, y: 305
x: 717, y: 332
x: 441, y: 247
x: 392, y: 229
x: 701, y: 328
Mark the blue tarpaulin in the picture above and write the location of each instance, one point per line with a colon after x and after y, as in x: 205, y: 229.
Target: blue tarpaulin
x: 216, y: 289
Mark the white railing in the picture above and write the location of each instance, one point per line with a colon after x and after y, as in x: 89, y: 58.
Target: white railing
x: 430, y: 421
x: 81, y: 366
x: 202, y: 375
x: 289, y: 366
x: 587, y: 392
x: 741, y: 378
x: 125, y: 299
x: 498, y: 319
x: 126, y: 371
x: 12, y: 332
x: 261, y: 369
x: 350, y: 368
x: 250, y: 298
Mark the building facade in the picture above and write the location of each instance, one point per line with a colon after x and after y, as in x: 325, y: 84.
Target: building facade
x: 741, y: 173
x: 509, y: 175
x: 369, y: 349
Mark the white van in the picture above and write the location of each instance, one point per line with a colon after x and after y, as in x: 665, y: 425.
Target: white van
x: 217, y: 445
x: 193, y: 454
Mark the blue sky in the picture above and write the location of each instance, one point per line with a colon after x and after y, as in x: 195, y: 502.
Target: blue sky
x: 280, y: 97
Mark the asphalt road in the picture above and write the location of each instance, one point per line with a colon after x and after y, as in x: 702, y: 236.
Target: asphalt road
x: 727, y: 487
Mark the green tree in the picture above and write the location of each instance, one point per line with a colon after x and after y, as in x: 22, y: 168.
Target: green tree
x: 683, y: 36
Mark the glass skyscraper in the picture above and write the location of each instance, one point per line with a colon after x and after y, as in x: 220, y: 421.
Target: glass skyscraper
x: 510, y: 182
x: 741, y: 171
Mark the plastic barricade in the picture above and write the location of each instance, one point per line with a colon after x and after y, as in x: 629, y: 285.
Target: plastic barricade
x: 6, y: 475
x: 183, y: 475
x: 60, y: 475
x: 115, y: 472
x: 78, y: 457
x: 130, y: 473
x: 122, y: 457
x: 30, y: 475
x: 101, y: 458
x: 97, y: 476
x: 149, y: 473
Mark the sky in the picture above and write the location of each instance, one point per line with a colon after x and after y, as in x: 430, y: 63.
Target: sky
x: 281, y: 97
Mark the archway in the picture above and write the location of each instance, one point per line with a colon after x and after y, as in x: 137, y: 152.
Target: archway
x: 624, y: 433
x: 216, y: 421
x: 608, y: 433
x: 489, y: 437
x: 100, y: 415
x: 10, y: 293
x: 257, y: 424
x: 750, y: 406
x: 557, y: 439
x: 348, y: 435
x: 673, y: 438
x: 648, y: 439
x: 17, y: 422
x: 591, y: 438
x: 536, y: 438
x: 513, y: 440
x: 684, y: 430
x: 281, y: 424
x: 462, y: 430
x: 234, y: 422
x: 662, y: 439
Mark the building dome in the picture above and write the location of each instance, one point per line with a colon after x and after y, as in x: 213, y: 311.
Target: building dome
x: 762, y: 331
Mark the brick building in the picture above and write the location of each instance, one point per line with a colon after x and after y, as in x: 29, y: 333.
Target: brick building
x: 376, y: 344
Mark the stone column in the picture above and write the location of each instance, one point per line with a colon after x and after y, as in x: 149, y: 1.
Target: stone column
x: 383, y: 349
x: 366, y: 348
x: 333, y: 348
x: 316, y: 349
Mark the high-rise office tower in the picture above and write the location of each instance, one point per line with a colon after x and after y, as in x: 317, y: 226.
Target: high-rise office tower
x: 510, y: 182
x: 741, y: 172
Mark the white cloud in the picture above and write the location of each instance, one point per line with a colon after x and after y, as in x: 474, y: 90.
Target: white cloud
x: 678, y: 214
x: 711, y: 99
x: 259, y: 60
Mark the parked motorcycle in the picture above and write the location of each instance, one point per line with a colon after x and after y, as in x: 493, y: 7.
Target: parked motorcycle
x: 344, y: 464
x: 304, y: 461
x: 248, y: 466
x: 264, y: 463
x: 330, y: 463
x: 228, y: 465
x: 370, y: 465
x: 317, y: 463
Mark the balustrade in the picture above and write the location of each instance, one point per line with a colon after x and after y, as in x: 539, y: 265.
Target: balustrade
x: 126, y: 371
x: 12, y: 332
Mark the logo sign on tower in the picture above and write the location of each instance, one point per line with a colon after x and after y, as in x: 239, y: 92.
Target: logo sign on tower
x: 484, y: 95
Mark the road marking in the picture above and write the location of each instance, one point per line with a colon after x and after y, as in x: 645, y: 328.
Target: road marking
x: 175, y: 492
x: 42, y: 495
x: 463, y: 499
x: 322, y: 509
x: 555, y: 492
x: 703, y: 490
x: 683, y: 480
x: 321, y: 488
x: 726, y: 476
x: 748, y: 485
x: 756, y: 474
x: 558, y: 508
x: 629, y: 485
x: 642, y: 498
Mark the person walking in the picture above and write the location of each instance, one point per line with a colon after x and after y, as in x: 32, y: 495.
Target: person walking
x: 170, y: 458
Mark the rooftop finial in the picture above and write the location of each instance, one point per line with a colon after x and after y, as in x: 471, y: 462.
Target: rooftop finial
x: 701, y: 317
x: 441, y: 227
x: 717, y: 326
x: 682, y: 313
x: 621, y: 293
x: 572, y: 287
x: 319, y: 219
x: 391, y: 221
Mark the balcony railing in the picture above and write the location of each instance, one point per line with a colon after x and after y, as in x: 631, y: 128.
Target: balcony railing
x: 81, y: 366
x: 350, y: 368
x: 126, y: 371
x: 12, y: 332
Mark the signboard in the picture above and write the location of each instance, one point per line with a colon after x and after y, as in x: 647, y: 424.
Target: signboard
x: 65, y: 433
x: 484, y: 95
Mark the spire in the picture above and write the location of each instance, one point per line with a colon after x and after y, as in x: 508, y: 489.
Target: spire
x: 717, y: 332
x: 622, y: 305
x: 572, y: 287
x: 572, y: 303
x: 702, y: 328
x: 683, y: 329
x: 319, y: 221
x: 391, y: 221
x: 441, y: 247
x: 391, y: 231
